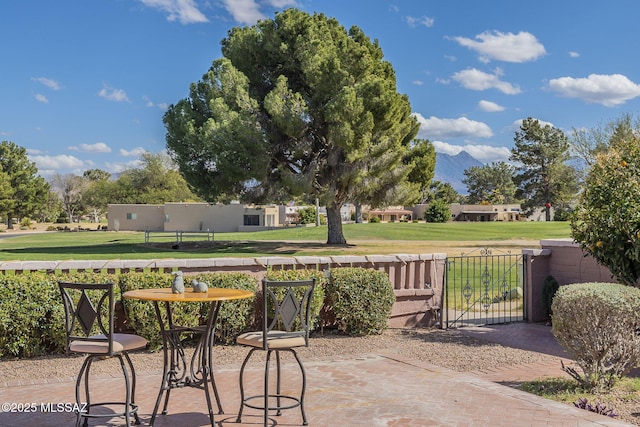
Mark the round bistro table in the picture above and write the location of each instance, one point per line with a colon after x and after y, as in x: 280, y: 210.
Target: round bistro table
x: 177, y: 372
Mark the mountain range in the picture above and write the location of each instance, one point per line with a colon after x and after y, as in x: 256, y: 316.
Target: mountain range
x: 451, y: 169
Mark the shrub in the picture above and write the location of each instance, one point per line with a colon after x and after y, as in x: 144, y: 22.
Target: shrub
x: 361, y: 300
x: 549, y: 288
x: 374, y: 219
x: 437, y: 211
x: 26, y: 224
x: 598, y: 324
x: 598, y: 407
x: 32, y: 314
x: 607, y: 217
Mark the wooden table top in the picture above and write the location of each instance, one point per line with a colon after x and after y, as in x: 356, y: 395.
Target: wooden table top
x: 165, y: 294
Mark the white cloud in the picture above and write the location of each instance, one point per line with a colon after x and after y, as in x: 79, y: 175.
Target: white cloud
x: 184, y: 11
x: 418, y: 82
x: 115, y: 167
x: 423, y: 20
x: 484, y: 153
x: 475, y: 79
x: 51, y: 84
x: 489, y: 107
x: 149, y: 103
x: 574, y: 54
x: 41, y: 98
x: 111, y: 94
x: 49, y: 165
x: 515, y: 126
x: 508, y: 47
x: 98, y: 147
x: 435, y: 127
x: 244, y: 11
x: 608, y: 90
x: 136, y: 152
x: 279, y: 4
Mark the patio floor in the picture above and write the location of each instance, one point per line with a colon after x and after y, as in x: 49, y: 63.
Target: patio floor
x: 370, y: 390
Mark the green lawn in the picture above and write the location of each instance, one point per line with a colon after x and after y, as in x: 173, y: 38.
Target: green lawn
x: 362, y: 238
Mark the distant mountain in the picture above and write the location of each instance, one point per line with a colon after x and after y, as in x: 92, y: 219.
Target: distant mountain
x: 451, y: 169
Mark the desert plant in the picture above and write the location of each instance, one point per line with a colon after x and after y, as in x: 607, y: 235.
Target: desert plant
x: 598, y: 407
x: 360, y: 299
x: 598, y: 324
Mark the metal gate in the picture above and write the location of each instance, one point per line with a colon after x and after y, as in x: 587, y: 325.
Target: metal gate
x: 484, y: 289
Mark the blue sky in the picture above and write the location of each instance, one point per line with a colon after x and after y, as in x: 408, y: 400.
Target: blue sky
x: 84, y: 84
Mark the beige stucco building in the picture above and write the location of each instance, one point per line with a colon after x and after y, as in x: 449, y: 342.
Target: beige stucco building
x: 191, y: 217
x: 511, y: 212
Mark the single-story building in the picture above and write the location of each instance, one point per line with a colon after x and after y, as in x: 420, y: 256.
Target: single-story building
x: 392, y: 214
x: 510, y: 212
x: 191, y: 217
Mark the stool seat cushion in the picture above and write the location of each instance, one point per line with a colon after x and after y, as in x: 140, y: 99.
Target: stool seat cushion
x: 275, y: 339
x: 121, y: 342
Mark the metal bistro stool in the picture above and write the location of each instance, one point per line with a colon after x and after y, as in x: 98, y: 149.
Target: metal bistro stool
x: 285, y: 326
x: 82, y: 317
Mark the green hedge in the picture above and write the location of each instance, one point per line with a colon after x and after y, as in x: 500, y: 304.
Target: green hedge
x: 598, y: 324
x: 360, y: 299
x: 32, y: 315
x: 31, y: 312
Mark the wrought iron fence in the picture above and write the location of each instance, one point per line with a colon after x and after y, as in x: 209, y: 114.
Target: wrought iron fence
x: 484, y: 289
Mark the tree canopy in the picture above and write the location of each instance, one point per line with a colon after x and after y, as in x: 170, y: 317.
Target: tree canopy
x: 490, y: 183
x: 24, y: 191
x: 607, y: 220
x: 296, y: 105
x: 543, y: 177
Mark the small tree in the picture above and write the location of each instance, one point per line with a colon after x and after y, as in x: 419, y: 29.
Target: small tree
x: 437, y: 211
x: 607, y: 219
x: 544, y: 178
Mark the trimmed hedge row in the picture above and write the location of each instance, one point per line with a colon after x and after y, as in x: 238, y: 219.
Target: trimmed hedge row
x: 32, y: 316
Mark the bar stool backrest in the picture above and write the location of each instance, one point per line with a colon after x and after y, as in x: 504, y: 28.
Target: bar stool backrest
x: 286, y: 306
x: 89, y: 313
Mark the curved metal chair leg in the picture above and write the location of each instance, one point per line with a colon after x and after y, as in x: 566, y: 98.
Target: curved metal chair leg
x: 127, y: 399
x: 133, y: 387
x: 86, y: 389
x: 266, y: 387
x: 278, y: 384
x: 304, y: 387
x: 81, y: 374
x: 242, y: 400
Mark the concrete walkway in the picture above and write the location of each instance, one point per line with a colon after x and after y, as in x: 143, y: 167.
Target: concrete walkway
x: 371, y: 390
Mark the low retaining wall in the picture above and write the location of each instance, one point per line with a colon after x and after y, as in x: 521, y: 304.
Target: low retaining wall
x: 417, y: 280
x: 564, y: 260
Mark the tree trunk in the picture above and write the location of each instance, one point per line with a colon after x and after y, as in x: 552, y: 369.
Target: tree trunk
x: 9, y: 223
x: 334, y: 223
x: 358, y: 213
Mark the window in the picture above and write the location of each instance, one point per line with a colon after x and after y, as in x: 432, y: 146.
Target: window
x: 132, y: 215
x: 252, y: 220
x: 166, y: 217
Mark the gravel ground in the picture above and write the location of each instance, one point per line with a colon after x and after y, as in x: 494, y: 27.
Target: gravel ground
x: 446, y: 348
x: 449, y: 349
